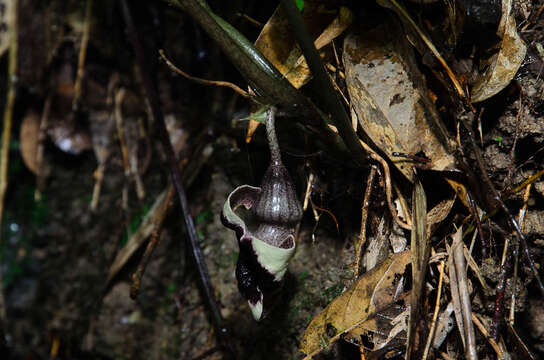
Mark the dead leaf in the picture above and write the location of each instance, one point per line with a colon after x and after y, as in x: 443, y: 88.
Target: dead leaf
x: 29, y: 138
x: 374, y: 290
x: 278, y: 44
x: 460, y: 190
x: 439, y: 213
x: 300, y: 74
x: 420, y: 249
x: 444, y: 326
x: 460, y: 294
x: 503, y: 66
x: 389, y: 98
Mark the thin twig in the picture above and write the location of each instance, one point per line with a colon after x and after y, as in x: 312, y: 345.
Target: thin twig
x: 387, y: 175
x: 500, y: 202
x: 326, y: 211
x: 257, y: 69
x: 364, y: 217
x: 523, y: 185
x: 155, y: 239
x: 499, y: 298
x: 6, y: 134
x: 154, y: 102
x: 83, y: 53
x: 44, y: 124
x: 515, y: 254
x: 476, y: 218
x: 177, y: 70
x: 462, y: 283
x: 435, y: 313
x: 485, y: 333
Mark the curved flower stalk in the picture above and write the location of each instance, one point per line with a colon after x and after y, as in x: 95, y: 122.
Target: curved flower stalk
x: 266, y: 239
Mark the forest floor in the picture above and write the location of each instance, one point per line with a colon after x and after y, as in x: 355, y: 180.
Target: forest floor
x: 57, y: 253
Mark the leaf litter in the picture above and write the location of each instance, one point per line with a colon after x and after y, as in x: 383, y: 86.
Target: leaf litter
x: 389, y: 98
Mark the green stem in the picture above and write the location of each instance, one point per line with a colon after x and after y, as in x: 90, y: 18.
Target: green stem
x: 267, y: 81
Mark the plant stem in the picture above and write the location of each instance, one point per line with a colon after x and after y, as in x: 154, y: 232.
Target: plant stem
x: 327, y: 95
x: 268, y: 82
x: 275, y: 154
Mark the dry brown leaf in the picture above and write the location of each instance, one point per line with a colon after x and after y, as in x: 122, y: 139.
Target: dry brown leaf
x: 385, y: 327
x: 373, y: 291
x: 300, y: 74
x: 444, y: 326
x: 278, y: 44
x: 389, y: 98
x: 29, y: 137
x: 251, y: 128
x: 421, y: 41
x: 439, y: 213
x: 503, y: 66
x: 420, y: 249
x: 460, y: 190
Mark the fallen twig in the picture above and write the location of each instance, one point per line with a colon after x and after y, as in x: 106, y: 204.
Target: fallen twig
x: 6, y: 136
x: 155, y: 238
x: 364, y: 216
x: 485, y: 333
x: 499, y: 298
x: 435, y: 313
x: 497, y: 198
x: 466, y: 311
x: 82, y: 53
x: 515, y: 254
x: 388, y: 192
x: 177, y: 70
x: 476, y: 218
x: 44, y: 124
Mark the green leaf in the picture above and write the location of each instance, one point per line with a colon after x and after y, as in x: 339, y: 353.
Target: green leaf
x: 300, y: 4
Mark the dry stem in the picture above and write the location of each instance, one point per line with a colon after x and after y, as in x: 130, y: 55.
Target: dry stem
x: 6, y: 134
x: 177, y: 70
x: 364, y: 217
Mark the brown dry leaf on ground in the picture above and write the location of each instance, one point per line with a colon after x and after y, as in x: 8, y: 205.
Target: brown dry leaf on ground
x: 389, y: 98
x: 277, y: 42
x: 503, y: 66
x: 420, y: 250
x: 373, y: 291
